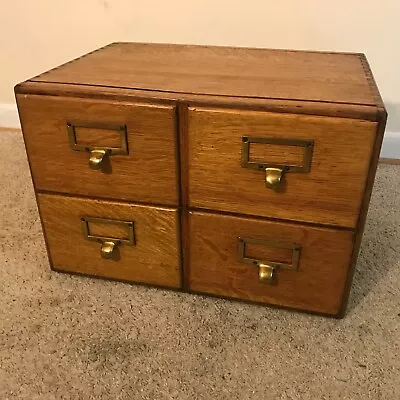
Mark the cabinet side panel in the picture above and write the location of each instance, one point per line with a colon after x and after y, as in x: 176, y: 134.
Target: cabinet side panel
x: 34, y: 186
x: 364, y: 206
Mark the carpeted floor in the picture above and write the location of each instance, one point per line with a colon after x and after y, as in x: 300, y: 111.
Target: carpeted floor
x: 68, y: 337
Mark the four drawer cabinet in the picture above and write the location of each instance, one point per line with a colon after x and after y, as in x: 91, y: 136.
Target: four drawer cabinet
x: 234, y: 172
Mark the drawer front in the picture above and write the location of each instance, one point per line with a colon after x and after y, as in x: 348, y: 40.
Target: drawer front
x: 114, y: 240
x: 101, y: 148
x: 286, y: 166
x: 283, y: 264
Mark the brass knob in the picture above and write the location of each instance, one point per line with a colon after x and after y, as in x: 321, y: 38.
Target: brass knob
x: 273, y: 177
x: 96, y: 158
x: 107, y: 248
x: 266, y: 272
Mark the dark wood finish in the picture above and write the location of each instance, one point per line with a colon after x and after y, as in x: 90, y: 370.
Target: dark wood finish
x: 147, y: 174
x: 222, y: 71
x: 182, y: 111
x: 154, y: 259
x: 318, y: 285
x: 330, y: 193
x: 184, y: 243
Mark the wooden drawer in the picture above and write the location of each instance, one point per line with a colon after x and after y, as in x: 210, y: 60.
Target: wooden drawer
x: 80, y: 234
x: 313, y: 261
x: 329, y: 159
x: 142, y: 164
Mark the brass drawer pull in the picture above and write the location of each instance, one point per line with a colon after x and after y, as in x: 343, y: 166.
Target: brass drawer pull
x: 98, y: 153
x: 109, y: 245
x: 274, y: 172
x: 267, y: 269
x: 266, y: 272
x: 96, y: 158
x: 273, y: 177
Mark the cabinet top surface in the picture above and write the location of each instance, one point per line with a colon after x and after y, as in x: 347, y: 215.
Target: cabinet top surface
x: 222, y: 71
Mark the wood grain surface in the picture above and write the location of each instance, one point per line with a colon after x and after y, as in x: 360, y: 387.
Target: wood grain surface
x: 365, y: 203
x: 222, y: 71
x: 342, y: 110
x: 317, y: 286
x: 154, y: 259
x: 147, y: 174
x: 330, y: 193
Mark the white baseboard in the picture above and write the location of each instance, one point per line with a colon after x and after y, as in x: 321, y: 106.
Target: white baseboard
x: 390, y: 148
x: 391, y: 145
x: 9, y: 116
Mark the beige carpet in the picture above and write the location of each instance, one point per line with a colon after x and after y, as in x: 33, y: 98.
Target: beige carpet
x: 68, y: 337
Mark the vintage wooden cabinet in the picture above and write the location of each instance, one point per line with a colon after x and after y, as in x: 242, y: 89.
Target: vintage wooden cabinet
x: 242, y: 173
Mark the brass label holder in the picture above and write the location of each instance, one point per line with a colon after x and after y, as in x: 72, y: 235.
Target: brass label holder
x: 108, y: 244
x: 274, y: 172
x: 267, y: 269
x: 98, y: 153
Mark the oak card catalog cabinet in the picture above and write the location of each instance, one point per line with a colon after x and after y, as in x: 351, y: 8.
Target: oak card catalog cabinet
x: 235, y: 172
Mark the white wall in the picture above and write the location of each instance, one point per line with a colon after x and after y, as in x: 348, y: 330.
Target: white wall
x: 38, y: 35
